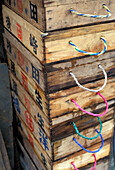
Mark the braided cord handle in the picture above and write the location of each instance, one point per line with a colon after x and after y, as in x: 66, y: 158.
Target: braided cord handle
x: 89, y: 150
x: 91, y: 90
x: 89, y: 113
x: 77, y: 131
x: 93, y: 16
x: 91, y: 53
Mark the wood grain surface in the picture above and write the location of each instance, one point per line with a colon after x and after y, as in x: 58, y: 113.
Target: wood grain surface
x: 18, y: 53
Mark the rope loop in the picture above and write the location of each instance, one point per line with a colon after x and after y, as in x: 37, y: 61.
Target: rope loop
x: 77, y: 131
x: 93, y: 16
x: 92, y: 114
x: 89, y: 150
x: 91, y: 90
x: 91, y: 168
x: 91, y: 53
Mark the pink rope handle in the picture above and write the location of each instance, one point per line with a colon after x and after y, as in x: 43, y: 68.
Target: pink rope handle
x: 95, y: 163
x: 89, y: 113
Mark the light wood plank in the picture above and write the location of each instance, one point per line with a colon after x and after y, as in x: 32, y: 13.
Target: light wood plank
x: 82, y: 158
x: 24, y: 31
x: 24, y: 59
x: 29, y: 103
x: 63, y: 125
x: 30, y: 86
x: 34, y: 143
x: 60, y: 49
x: 24, y: 8
x: 60, y: 102
x: 85, y: 69
x: 28, y: 118
x: 61, y: 146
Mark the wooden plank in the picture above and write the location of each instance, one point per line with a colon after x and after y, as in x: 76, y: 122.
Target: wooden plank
x: 24, y: 31
x: 63, y: 125
x: 60, y: 102
x: 25, y: 9
x: 28, y: 118
x: 58, y: 47
x: 102, y: 164
x: 30, y: 86
x: 31, y: 152
x: 24, y: 59
x: 41, y: 153
x: 59, y: 16
x: 29, y: 103
x: 82, y: 158
x: 61, y: 146
x: 41, y: 137
x: 4, y: 154
x: 25, y: 161
x: 2, y: 166
x: 57, y: 13
x: 85, y: 69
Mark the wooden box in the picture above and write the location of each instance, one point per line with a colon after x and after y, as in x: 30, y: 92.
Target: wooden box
x: 51, y: 15
x: 32, y: 53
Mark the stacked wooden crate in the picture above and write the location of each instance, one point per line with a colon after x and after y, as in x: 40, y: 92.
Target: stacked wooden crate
x: 42, y: 87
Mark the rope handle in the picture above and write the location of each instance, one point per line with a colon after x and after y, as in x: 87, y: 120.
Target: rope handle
x: 91, y: 90
x: 77, y: 131
x: 92, y: 114
x: 91, y: 53
x: 89, y: 150
x: 93, y: 16
x: 91, y: 168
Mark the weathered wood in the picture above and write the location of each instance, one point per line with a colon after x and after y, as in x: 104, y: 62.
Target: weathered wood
x: 30, y: 86
x: 85, y: 69
x: 60, y: 102
x: 82, y: 158
x: 24, y: 59
x: 61, y: 146
x: 102, y: 164
x: 31, y: 152
x: 41, y: 153
x: 2, y: 166
x: 59, y: 16
x: 29, y: 103
x: 63, y: 125
x: 4, y: 154
x: 28, y: 118
x: 60, y: 49
x: 24, y: 31
x: 56, y: 15
x: 25, y: 161
x: 25, y: 9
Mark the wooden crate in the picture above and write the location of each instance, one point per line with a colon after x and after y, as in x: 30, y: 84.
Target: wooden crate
x: 56, y: 59
x: 57, y: 47
x: 52, y: 15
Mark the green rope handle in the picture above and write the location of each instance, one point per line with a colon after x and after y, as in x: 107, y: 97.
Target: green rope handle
x: 88, y: 137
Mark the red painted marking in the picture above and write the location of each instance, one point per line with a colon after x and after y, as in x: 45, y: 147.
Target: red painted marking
x: 29, y: 121
x: 19, y: 31
x: 24, y: 81
x: 30, y: 140
x: 27, y: 103
x: 20, y: 58
x: 20, y: 6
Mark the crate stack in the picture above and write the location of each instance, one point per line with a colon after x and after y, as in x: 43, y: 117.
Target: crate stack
x: 37, y: 38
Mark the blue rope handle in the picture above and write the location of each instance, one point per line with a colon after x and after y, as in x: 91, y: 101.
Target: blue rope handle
x: 93, y: 16
x: 77, y: 131
x: 88, y: 150
x: 91, y: 53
